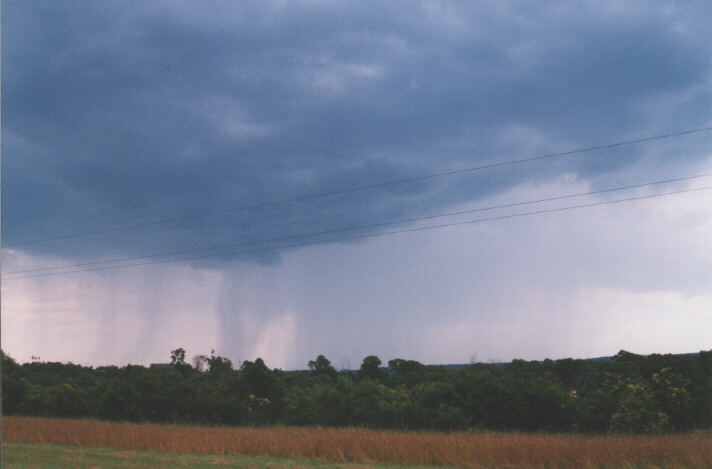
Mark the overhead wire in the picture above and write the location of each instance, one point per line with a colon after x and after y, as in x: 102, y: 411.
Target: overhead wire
x: 369, y: 235
x: 361, y: 188
x: 364, y: 226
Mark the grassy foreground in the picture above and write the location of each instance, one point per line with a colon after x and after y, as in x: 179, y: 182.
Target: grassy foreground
x: 39, y: 456
x: 338, y: 446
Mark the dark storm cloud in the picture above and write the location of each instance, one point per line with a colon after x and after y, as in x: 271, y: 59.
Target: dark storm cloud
x: 122, y: 112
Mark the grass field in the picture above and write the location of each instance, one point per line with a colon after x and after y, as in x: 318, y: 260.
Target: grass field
x: 482, y: 450
x: 38, y: 456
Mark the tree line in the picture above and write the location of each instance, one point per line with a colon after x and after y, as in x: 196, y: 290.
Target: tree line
x: 628, y: 394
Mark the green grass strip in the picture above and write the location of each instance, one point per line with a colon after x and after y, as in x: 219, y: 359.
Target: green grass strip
x: 48, y: 456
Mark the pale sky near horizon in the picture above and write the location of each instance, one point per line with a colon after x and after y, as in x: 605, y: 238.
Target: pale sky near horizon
x: 124, y: 113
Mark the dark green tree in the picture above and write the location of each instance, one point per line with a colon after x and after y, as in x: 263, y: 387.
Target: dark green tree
x: 370, y: 368
x: 178, y: 361
x: 636, y: 410
x: 407, y: 372
x: 322, y: 367
x: 178, y: 357
x: 215, y: 364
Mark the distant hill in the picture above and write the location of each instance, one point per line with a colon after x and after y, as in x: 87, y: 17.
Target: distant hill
x: 457, y: 366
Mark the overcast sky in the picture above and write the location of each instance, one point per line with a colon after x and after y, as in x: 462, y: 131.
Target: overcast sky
x: 128, y: 113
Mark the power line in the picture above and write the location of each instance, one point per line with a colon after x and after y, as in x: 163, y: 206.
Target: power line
x: 372, y: 235
x: 361, y: 188
x: 359, y: 227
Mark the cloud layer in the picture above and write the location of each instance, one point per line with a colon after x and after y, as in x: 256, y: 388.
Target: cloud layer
x: 121, y: 113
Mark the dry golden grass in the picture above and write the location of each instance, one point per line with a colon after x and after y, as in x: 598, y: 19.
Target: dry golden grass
x: 368, y: 446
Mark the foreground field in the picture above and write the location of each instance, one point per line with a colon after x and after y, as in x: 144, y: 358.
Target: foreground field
x: 38, y: 456
x: 486, y: 450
